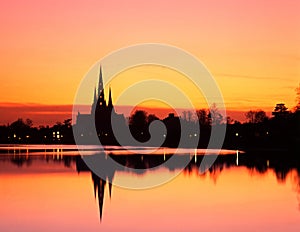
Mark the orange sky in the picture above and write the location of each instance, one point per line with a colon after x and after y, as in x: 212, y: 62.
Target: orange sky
x: 252, y: 48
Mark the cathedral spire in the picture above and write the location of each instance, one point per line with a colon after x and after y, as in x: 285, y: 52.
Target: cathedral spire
x: 101, y: 96
x: 100, y: 84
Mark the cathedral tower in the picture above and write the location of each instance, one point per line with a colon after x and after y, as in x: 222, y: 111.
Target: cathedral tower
x: 101, y: 96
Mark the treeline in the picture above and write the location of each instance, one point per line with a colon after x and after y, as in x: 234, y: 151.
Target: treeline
x: 280, y: 131
x: 22, y: 132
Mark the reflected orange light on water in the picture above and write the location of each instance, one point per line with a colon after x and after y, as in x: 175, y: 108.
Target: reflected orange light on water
x: 236, y: 199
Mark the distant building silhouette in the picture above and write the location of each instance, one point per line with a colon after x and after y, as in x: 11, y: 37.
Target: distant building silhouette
x: 101, y: 117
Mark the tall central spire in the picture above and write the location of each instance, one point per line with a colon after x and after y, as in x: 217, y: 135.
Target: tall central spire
x: 100, y: 83
x: 101, y: 96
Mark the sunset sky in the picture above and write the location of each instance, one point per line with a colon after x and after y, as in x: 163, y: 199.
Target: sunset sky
x: 252, y: 48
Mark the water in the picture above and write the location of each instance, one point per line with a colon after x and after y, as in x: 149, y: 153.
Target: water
x: 54, y: 190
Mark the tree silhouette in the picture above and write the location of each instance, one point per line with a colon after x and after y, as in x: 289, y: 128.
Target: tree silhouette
x: 138, y: 119
x: 260, y: 116
x: 67, y: 123
x: 151, y: 118
x: 256, y: 116
x: 184, y: 113
x: 20, y: 129
x: 20, y: 125
x: 202, y: 115
x: 215, y: 117
x: 138, y: 125
x: 189, y: 116
x: 280, y: 110
x: 250, y: 115
x: 229, y: 120
x: 29, y: 122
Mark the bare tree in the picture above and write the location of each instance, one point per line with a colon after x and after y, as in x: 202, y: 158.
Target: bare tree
x: 29, y: 122
x: 229, y: 120
x: 256, y: 116
x: 215, y: 116
x: 250, y: 115
x: 260, y: 116
x: 189, y: 116
x: 184, y: 113
x: 202, y: 115
x: 67, y: 123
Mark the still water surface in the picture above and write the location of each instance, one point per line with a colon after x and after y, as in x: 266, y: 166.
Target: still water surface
x: 55, y: 191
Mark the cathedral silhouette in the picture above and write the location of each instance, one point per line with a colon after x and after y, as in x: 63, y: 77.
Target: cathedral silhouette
x: 101, y: 116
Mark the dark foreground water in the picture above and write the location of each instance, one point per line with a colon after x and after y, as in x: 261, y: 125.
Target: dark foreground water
x: 51, y: 189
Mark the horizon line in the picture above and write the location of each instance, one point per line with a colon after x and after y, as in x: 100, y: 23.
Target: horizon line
x: 50, y: 114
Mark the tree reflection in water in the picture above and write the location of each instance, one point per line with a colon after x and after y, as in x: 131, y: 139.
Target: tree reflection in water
x: 283, y: 165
